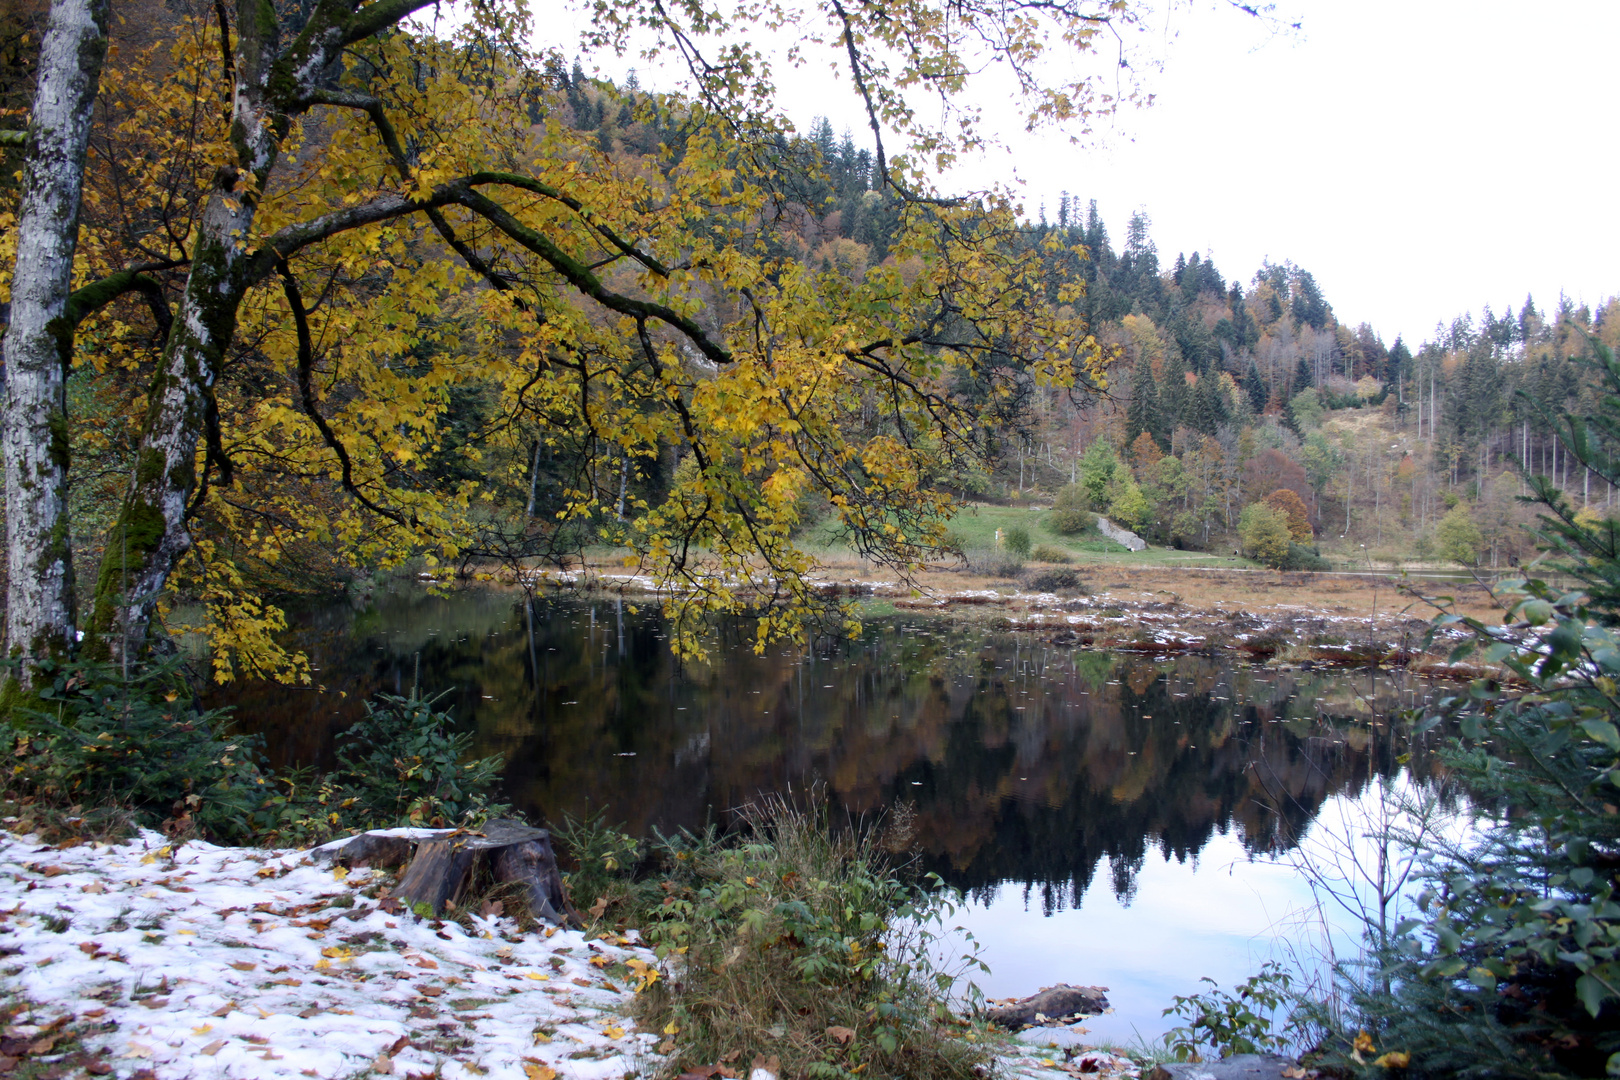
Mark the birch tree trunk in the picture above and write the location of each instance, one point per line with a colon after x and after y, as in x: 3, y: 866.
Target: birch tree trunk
x: 40, y: 616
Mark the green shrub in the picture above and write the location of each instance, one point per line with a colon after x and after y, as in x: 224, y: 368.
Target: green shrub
x: 1016, y: 538
x: 1050, y: 553
x: 1241, y: 1023
x: 407, y: 767
x: 1071, y: 513
x: 88, y: 737
x: 1300, y: 557
x: 1265, y: 533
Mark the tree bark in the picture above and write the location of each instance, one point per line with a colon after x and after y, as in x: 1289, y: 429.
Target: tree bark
x: 445, y: 861
x: 272, y: 84
x: 40, y: 615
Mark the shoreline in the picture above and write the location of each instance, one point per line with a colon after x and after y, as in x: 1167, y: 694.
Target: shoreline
x: 1275, y: 618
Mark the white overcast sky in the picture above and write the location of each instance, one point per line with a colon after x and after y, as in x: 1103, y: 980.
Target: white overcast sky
x: 1421, y: 158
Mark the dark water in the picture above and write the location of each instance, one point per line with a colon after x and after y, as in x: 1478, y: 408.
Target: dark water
x: 1078, y: 796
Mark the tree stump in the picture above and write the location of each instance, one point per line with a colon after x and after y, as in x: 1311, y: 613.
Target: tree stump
x: 442, y: 861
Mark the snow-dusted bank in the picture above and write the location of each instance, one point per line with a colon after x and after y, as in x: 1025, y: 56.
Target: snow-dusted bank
x: 200, y: 961
x: 148, y: 960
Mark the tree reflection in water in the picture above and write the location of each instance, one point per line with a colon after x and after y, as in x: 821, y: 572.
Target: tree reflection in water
x: 1022, y: 761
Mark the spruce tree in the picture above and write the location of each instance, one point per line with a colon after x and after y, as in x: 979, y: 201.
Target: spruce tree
x: 1302, y: 377
x: 1255, y: 388
x: 1142, y: 414
x: 1173, y: 396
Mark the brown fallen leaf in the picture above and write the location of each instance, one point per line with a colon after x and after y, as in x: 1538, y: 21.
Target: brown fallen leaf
x: 399, y: 1044
x: 89, y: 948
x: 491, y: 908
x: 43, y: 1046
x: 224, y: 1010
x: 842, y: 1035
x: 581, y: 982
x: 213, y: 1048
x: 95, y: 1014
x: 98, y: 1068
x: 285, y: 982
x: 383, y: 1065
x: 155, y: 1002
x: 425, y: 964
x: 309, y: 1013
x: 7, y: 1063
x: 430, y: 991
x: 256, y: 1040
x: 278, y: 969
x: 243, y: 965
x: 599, y: 908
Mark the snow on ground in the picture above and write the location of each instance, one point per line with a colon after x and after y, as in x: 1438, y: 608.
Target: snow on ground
x: 202, y: 961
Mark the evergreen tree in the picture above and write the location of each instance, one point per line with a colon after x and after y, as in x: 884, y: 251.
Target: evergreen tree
x: 1302, y: 377
x: 1207, y: 411
x: 1173, y: 395
x: 1399, y: 366
x: 1142, y: 414
x: 1255, y: 388
x: 1308, y: 305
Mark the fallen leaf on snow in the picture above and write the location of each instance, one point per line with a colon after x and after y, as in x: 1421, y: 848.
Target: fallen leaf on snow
x: 224, y: 1010
x: 243, y: 965
x: 213, y: 1048
x: 138, y: 1050
x: 539, y: 1072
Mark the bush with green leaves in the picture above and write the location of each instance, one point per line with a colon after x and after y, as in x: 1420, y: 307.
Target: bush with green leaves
x: 1017, y: 541
x: 1242, y: 1023
x: 87, y: 736
x: 1265, y: 534
x: 1071, y: 512
x: 1051, y: 554
x: 407, y: 766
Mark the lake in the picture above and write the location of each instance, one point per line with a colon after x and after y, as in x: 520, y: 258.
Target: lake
x: 1120, y: 820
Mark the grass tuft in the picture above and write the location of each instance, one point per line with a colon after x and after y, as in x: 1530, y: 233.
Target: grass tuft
x: 797, y: 947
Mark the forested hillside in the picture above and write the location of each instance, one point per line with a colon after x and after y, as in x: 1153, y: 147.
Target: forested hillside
x: 1222, y: 391
x: 382, y: 402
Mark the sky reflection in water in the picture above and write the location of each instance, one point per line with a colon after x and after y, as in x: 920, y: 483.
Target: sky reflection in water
x: 1114, y: 819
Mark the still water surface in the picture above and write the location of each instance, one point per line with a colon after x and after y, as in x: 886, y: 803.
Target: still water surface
x: 1114, y: 820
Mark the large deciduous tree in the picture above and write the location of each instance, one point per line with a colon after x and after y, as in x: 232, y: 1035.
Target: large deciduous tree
x: 40, y: 609
x: 381, y: 223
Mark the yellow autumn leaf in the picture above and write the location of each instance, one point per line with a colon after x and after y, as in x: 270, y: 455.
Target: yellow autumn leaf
x: 1395, y: 1059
